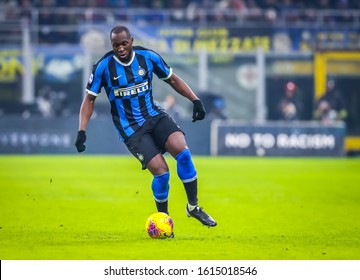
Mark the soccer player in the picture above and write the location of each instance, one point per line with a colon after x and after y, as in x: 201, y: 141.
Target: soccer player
x: 147, y: 130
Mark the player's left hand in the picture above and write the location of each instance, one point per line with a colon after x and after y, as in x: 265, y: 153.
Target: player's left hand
x: 80, y: 141
x: 198, y: 111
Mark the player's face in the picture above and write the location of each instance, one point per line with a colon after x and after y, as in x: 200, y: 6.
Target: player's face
x: 122, y: 46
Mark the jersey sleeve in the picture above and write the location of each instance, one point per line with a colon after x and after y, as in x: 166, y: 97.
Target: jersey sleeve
x: 95, y: 80
x: 161, y: 69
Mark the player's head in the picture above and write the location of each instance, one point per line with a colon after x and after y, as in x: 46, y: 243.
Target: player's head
x: 121, y: 42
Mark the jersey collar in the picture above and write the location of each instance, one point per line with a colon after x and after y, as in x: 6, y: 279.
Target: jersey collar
x: 125, y: 64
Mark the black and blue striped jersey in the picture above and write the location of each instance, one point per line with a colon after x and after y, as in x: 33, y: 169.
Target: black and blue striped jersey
x: 129, y: 87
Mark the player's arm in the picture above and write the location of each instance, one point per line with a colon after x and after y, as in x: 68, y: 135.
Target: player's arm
x: 93, y: 88
x: 86, y: 110
x: 183, y: 89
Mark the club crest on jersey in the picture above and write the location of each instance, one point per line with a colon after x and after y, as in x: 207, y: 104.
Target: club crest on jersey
x: 141, y: 71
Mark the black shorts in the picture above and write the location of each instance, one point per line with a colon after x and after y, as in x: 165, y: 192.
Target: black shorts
x: 149, y: 140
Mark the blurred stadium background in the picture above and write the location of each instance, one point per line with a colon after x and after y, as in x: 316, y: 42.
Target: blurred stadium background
x: 241, y: 56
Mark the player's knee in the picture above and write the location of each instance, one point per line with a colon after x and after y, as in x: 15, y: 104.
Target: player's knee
x: 185, y: 166
x: 160, y: 187
x: 157, y: 165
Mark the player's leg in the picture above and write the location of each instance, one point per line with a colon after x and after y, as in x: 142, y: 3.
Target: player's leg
x: 160, y: 183
x: 176, y: 146
x: 169, y: 137
x: 142, y: 146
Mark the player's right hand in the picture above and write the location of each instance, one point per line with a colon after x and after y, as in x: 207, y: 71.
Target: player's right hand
x: 80, y: 141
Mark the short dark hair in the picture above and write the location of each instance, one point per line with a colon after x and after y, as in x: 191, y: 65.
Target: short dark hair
x: 120, y: 28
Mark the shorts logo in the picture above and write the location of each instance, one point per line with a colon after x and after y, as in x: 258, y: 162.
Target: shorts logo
x: 141, y: 71
x: 140, y: 156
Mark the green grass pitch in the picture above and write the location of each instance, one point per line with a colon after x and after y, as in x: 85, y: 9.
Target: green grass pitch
x: 95, y: 207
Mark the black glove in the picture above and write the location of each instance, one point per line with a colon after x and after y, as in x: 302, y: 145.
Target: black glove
x: 198, y: 111
x: 80, y: 141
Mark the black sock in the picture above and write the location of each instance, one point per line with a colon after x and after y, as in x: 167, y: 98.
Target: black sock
x: 162, y: 206
x: 191, y: 192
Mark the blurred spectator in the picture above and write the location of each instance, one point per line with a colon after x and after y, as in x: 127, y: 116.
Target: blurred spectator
x: 269, y: 4
x: 51, y: 103
x: 25, y: 11
x: 138, y: 4
x: 234, y: 4
x: 256, y: 11
x: 291, y: 9
x: 214, y: 105
x: 177, y: 10
x: 224, y: 6
x: 238, y: 5
x: 322, y: 4
x: 93, y: 40
x: 56, y: 26
x: 289, y: 106
x: 345, y: 16
x: 10, y: 10
x: 331, y: 106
